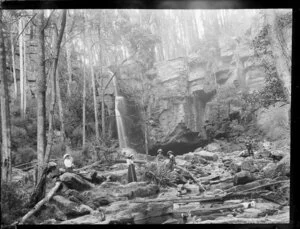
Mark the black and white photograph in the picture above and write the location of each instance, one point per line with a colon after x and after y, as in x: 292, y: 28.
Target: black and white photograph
x: 145, y: 116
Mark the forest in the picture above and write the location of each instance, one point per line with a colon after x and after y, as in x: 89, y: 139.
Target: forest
x: 130, y: 116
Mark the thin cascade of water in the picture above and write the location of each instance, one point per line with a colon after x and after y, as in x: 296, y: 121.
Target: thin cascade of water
x: 120, y: 104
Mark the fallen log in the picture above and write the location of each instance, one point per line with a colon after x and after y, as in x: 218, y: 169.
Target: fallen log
x: 233, y: 220
x: 229, y: 179
x: 193, y: 178
x: 258, y: 187
x: 88, y: 166
x: 41, y: 203
x: 188, y: 199
x: 208, y: 211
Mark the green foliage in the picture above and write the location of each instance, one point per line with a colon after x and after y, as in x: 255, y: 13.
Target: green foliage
x: 273, y: 91
x: 19, y: 137
x: 24, y: 154
x: 58, y: 150
x: 13, y: 200
x: 160, y: 170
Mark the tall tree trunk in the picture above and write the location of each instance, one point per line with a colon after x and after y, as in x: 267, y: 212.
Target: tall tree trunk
x: 21, y: 65
x: 83, y: 106
x: 95, y: 100
x: 41, y: 95
x: 53, y: 100
x: 61, y: 111
x: 5, y: 112
x: 57, y: 42
x: 40, y: 188
x: 24, y: 75
x: 103, y: 90
x: 13, y: 64
x: 84, y: 91
x: 69, y: 66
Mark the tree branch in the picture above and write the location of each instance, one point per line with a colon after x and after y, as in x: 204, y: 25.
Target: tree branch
x: 24, y: 28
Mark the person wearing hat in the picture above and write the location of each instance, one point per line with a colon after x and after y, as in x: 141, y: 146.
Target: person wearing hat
x: 160, y: 156
x: 68, y: 162
x: 131, y: 169
x: 172, y: 161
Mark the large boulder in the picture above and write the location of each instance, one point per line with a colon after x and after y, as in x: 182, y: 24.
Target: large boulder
x: 70, y: 208
x: 213, y: 147
x: 181, y: 162
x: 207, y: 155
x: 242, y: 177
x: 152, y: 211
x: 250, y: 213
x: 269, y: 170
x: 249, y: 165
x: 75, y: 181
x: 188, y: 156
x: 131, y: 190
x: 283, y: 167
x: 235, y: 166
x: 116, y: 175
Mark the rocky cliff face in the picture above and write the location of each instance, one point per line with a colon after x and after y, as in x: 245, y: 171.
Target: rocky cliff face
x: 184, y: 88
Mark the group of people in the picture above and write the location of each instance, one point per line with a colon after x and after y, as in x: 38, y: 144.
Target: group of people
x: 172, y: 162
x: 69, y: 164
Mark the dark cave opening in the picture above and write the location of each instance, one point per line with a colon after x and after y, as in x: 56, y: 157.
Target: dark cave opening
x: 178, y: 148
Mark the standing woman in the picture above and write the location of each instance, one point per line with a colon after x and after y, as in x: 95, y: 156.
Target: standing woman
x: 131, y: 169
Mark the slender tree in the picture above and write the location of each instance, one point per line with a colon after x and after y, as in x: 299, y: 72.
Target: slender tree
x: 24, y: 74
x: 41, y: 94
x: 12, y: 45
x: 21, y: 43
x: 57, y: 43
x: 84, y: 88
x: 5, y: 112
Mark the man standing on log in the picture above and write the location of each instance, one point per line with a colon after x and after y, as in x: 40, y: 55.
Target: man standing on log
x: 172, y: 161
x: 131, y: 169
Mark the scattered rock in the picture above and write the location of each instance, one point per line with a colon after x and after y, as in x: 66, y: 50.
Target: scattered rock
x: 236, y: 166
x: 269, y: 170
x: 262, y: 153
x: 250, y: 213
x: 243, y: 177
x: 86, y: 219
x: 212, y: 147
x: 70, y: 208
x: 248, y: 165
x: 283, y: 167
x: 207, y: 155
x: 181, y: 162
x: 188, y: 156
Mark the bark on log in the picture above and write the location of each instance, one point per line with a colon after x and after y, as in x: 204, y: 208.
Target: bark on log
x: 207, y: 211
x: 41, y: 203
x: 258, y: 187
x: 188, y: 199
x: 244, y: 221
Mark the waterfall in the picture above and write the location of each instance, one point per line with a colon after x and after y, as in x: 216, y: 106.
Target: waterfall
x: 119, y: 106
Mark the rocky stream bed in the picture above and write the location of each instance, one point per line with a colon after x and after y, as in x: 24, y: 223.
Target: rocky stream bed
x: 216, y: 187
